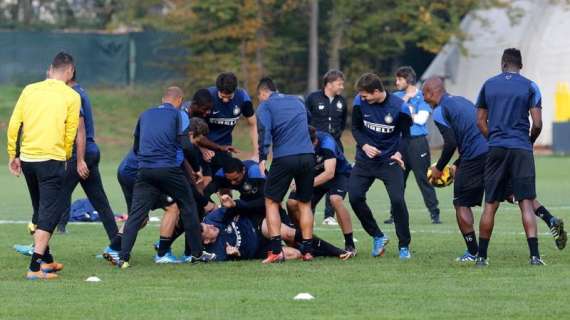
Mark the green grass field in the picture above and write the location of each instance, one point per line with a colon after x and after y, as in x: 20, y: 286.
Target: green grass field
x: 430, y: 286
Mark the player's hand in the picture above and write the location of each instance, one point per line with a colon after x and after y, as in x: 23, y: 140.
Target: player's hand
x: 398, y: 158
x: 227, y: 201
x: 232, y: 251
x: 207, y: 154
x: 370, y: 151
x: 435, y: 173
x: 15, y: 166
x: 82, y: 169
x: 210, y: 207
x: 231, y: 149
x: 198, y: 177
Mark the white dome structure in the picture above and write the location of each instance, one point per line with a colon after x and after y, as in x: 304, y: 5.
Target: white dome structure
x: 542, y: 33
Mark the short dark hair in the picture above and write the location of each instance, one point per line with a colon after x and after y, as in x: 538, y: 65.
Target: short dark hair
x: 202, y: 98
x: 332, y: 76
x: 266, y: 84
x: 198, y: 127
x: 232, y: 165
x: 61, y: 60
x: 369, y: 82
x: 227, y: 82
x: 407, y: 73
x: 313, y: 133
x: 512, y: 57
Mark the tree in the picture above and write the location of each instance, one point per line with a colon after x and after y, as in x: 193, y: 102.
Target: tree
x: 313, y: 72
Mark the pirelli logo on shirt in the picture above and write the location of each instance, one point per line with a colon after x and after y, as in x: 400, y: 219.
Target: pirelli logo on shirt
x: 224, y: 121
x: 377, y: 127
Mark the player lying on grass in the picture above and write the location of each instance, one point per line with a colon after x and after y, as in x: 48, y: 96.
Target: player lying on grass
x: 456, y: 119
x: 239, y: 237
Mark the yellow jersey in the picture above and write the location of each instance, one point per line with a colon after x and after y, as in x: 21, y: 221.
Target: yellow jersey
x: 48, y: 112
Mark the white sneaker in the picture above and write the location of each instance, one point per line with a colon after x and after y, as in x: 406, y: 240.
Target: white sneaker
x: 330, y: 221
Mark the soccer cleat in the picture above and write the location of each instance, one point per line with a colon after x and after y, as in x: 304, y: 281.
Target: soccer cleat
x: 51, y: 267
x: 110, y: 254
x: 405, y: 253
x: 481, y: 262
x: 347, y: 255
x: 165, y: 259
x: 351, y: 249
x: 25, y: 250
x: 307, y: 257
x: 536, y: 261
x: 466, y: 257
x: 205, y: 257
x: 389, y: 220
x: 61, y: 229
x: 558, y: 232
x: 274, y: 258
x: 40, y: 275
x: 435, y: 219
x: 186, y: 259
x: 330, y: 221
x: 121, y: 264
x: 378, y: 245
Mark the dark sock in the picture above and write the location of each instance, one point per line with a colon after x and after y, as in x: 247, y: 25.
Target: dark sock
x: 348, y: 240
x: 321, y: 248
x: 35, y: 262
x: 471, y: 242
x: 298, y: 236
x: 47, y: 258
x: 533, y: 247
x: 483, y: 245
x: 543, y: 214
x: 116, y: 242
x: 276, y: 244
x: 307, y: 246
x: 164, y: 245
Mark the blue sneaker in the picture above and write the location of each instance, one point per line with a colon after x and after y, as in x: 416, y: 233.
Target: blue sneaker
x: 186, y: 259
x: 378, y: 245
x: 466, y: 257
x: 405, y: 253
x: 167, y: 258
x: 25, y: 250
x: 110, y: 254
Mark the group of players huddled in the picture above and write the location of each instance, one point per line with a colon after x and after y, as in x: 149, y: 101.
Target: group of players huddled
x: 183, y: 154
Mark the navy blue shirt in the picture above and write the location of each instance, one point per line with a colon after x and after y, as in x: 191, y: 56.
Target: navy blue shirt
x: 87, y: 114
x: 238, y: 231
x: 508, y: 97
x: 157, y: 133
x: 418, y: 104
x: 250, y: 189
x: 380, y: 125
x: 224, y: 116
x: 460, y: 115
x: 282, y: 121
x: 328, y: 148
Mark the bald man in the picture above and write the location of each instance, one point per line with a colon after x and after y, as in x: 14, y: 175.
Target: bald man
x: 160, y: 136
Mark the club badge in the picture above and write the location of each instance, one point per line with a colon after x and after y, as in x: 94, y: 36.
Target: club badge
x: 388, y: 118
x: 321, y: 107
x: 339, y: 105
x: 237, y: 110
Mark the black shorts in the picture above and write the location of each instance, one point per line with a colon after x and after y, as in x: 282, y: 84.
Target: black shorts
x: 283, y: 170
x: 509, y: 165
x: 127, y: 184
x: 469, y: 182
x: 337, y: 186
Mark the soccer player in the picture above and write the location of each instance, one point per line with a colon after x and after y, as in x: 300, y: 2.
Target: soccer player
x: 83, y: 168
x: 283, y: 125
x: 328, y: 114
x: 456, y: 119
x: 229, y: 103
x: 160, y: 135
x: 415, y: 148
x: 504, y: 104
x: 47, y: 113
x: 332, y: 172
x: 379, y: 119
